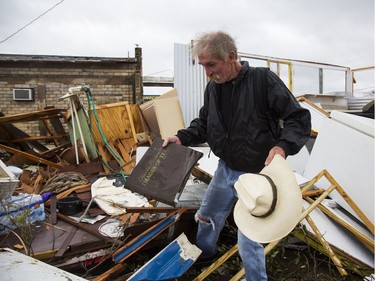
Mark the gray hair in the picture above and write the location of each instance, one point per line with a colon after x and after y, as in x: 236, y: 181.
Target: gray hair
x: 217, y: 44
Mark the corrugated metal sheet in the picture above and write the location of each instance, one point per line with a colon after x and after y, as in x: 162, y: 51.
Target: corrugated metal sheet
x: 172, y: 262
x: 190, y: 82
x: 357, y: 103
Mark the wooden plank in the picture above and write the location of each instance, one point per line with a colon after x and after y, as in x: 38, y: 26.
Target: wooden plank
x: 124, y: 218
x: 87, y: 229
x: 139, y: 122
x: 328, y: 249
x: 55, y: 150
x: 130, y: 145
x: 31, y: 116
x: 34, y: 138
x: 111, y: 105
x: 133, y: 218
x: 29, y: 156
x: 57, y: 125
x: 131, y: 122
x: 112, y: 273
x: 201, y: 175
x: 49, y: 130
x: 12, y: 132
x: 103, y: 154
x: 125, y: 157
x: 366, y: 241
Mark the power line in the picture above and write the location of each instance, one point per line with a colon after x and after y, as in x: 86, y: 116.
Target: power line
x: 10, y: 36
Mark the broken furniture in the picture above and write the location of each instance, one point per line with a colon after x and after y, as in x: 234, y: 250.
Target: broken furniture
x: 28, y: 149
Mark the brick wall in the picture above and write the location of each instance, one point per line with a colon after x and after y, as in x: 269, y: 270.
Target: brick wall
x: 110, y: 79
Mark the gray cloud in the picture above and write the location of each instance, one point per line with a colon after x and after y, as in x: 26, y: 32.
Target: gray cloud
x: 330, y: 31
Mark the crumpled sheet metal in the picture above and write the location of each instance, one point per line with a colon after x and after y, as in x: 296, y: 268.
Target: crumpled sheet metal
x: 172, y: 262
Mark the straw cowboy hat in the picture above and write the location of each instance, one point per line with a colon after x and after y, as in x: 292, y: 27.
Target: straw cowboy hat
x: 269, y: 204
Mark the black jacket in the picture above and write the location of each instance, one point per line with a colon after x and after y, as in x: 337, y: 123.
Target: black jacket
x: 262, y: 100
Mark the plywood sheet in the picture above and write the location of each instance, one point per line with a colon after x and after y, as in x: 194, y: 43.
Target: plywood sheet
x: 114, y: 122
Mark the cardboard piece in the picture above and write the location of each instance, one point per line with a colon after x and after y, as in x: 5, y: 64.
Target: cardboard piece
x: 163, y: 115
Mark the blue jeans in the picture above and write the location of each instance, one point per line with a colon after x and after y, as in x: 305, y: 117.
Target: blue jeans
x: 215, y: 208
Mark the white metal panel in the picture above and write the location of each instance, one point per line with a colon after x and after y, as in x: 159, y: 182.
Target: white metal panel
x: 335, y: 235
x: 189, y: 80
x: 316, y: 116
x: 17, y: 266
x: 348, y: 155
x: 359, y: 123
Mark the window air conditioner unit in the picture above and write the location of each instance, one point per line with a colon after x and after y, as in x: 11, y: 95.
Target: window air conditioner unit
x: 23, y: 94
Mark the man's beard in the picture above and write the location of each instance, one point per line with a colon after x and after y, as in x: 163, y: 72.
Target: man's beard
x: 215, y: 77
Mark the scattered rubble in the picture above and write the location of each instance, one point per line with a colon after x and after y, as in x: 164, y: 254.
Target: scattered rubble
x: 88, y: 154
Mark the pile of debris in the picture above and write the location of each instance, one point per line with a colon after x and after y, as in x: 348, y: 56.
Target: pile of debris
x: 66, y: 198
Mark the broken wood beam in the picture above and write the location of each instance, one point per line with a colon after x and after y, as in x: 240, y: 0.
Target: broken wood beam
x: 326, y: 246
x: 29, y: 156
x: 88, y: 229
x: 201, y: 175
x: 152, y: 209
x: 131, y: 121
x: 315, y: 192
x: 33, y: 138
x: 346, y: 259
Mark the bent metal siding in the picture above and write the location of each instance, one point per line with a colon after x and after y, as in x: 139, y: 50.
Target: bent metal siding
x: 111, y: 80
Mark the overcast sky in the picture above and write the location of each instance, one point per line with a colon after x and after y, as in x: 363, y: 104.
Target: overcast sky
x: 337, y: 32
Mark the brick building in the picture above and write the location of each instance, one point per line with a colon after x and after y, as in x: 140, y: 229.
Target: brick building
x: 34, y: 82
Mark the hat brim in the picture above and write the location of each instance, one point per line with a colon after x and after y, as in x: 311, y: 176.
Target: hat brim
x: 287, y: 211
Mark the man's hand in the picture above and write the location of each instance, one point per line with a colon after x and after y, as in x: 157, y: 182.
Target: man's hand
x: 274, y: 150
x: 171, y: 139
